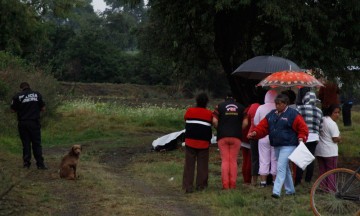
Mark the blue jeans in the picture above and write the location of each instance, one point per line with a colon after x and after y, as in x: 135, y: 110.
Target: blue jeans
x: 283, y: 175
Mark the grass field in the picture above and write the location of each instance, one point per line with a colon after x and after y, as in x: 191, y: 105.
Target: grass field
x: 120, y: 175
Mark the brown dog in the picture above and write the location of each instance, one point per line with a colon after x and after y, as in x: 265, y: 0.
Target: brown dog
x: 69, y: 163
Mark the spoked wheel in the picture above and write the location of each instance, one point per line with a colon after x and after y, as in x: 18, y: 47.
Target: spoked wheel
x: 326, y: 197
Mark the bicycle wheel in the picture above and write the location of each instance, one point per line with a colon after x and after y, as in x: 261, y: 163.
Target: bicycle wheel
x: 324, y: 195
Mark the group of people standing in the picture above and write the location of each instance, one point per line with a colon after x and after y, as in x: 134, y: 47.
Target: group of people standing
x: 267, y: 133
x: 228, y: 118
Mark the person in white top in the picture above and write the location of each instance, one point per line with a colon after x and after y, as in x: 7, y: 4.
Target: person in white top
x: 327, y: 149
x: 267, y: 160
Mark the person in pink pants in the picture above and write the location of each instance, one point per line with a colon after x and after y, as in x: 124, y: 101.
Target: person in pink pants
x: 228, y: 118
x: 267, y: 159
x: 229, y: 150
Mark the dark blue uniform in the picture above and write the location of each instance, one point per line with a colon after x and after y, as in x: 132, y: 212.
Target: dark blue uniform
x: 28, y: 105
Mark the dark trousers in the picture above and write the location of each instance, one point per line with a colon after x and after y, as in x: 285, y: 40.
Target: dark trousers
x: 30, y: 135
x: 346, y: 114
x: 246, y: 165
x: 309, y: 169
x: 254, y: 149
x: 200, y: 157
x: 326, y: 164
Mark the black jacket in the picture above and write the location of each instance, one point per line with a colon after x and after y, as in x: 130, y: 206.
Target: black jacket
x: 27, y: 104
x: 230, y: 117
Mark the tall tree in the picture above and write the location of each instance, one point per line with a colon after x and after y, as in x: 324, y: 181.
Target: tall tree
x: 182, y: 33
x: 26, y: 25
x: 20, y: 26
x: 135, y: 8
x: 311, y: 33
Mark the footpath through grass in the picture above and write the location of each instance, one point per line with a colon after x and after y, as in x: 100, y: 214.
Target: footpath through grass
x: 119, y: 175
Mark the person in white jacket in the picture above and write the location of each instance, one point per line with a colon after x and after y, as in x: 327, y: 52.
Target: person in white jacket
x: 267, y: 160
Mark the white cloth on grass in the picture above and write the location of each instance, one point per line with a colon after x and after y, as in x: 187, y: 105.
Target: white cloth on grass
x: 161, y: 141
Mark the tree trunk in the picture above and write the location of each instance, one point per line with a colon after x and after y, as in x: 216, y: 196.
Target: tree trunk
x: 228, y: 36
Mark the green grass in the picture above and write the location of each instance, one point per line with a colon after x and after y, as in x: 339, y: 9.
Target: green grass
x: 84, y: 120
x: 350, y: 145
x: 245, y: 200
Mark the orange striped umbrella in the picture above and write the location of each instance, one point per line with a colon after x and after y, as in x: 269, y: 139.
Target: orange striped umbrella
x: 290, y: 79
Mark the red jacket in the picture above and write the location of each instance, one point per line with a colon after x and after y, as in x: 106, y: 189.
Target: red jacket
x: 298, y: 125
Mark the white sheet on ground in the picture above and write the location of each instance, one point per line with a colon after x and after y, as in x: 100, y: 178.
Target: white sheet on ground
x: 161, y: 141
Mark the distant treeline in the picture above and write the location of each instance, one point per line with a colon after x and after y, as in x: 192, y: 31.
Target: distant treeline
x: 192, y: 44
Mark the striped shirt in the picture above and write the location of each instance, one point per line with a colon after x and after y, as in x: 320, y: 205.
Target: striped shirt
x: 311, y: 113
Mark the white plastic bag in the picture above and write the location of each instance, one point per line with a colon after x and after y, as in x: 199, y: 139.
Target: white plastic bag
x: 301, y: 156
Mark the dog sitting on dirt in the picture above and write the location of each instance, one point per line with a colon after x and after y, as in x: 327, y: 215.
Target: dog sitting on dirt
x: 69, y: 163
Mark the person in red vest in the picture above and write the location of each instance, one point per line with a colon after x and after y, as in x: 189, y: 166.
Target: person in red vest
x: 198, y: 133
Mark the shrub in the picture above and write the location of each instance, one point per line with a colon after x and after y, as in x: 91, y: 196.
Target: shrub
x: 13, y: 71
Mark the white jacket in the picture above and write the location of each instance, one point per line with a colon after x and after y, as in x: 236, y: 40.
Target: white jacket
x: 264, y: 109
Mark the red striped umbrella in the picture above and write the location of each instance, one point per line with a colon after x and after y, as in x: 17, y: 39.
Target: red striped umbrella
x: 290, y: 79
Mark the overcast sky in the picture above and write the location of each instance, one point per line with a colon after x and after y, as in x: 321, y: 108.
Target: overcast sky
x: 98, y: 5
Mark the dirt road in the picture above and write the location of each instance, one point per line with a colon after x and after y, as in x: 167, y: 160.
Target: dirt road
x: 105, y: 187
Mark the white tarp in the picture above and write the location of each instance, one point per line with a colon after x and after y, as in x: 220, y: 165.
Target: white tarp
x: 166, y: 139
x: 161, y: 141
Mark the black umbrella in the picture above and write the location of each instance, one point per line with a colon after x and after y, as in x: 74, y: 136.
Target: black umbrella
x: 260, y: 67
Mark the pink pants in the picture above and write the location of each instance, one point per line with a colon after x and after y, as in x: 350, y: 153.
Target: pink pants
x: 229, y: 150
x: 267, y: 159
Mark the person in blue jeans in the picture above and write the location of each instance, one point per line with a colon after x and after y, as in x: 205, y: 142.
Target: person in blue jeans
x: 286, y: 129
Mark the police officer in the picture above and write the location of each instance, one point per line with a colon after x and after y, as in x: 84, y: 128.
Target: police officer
x: 28, y: 104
